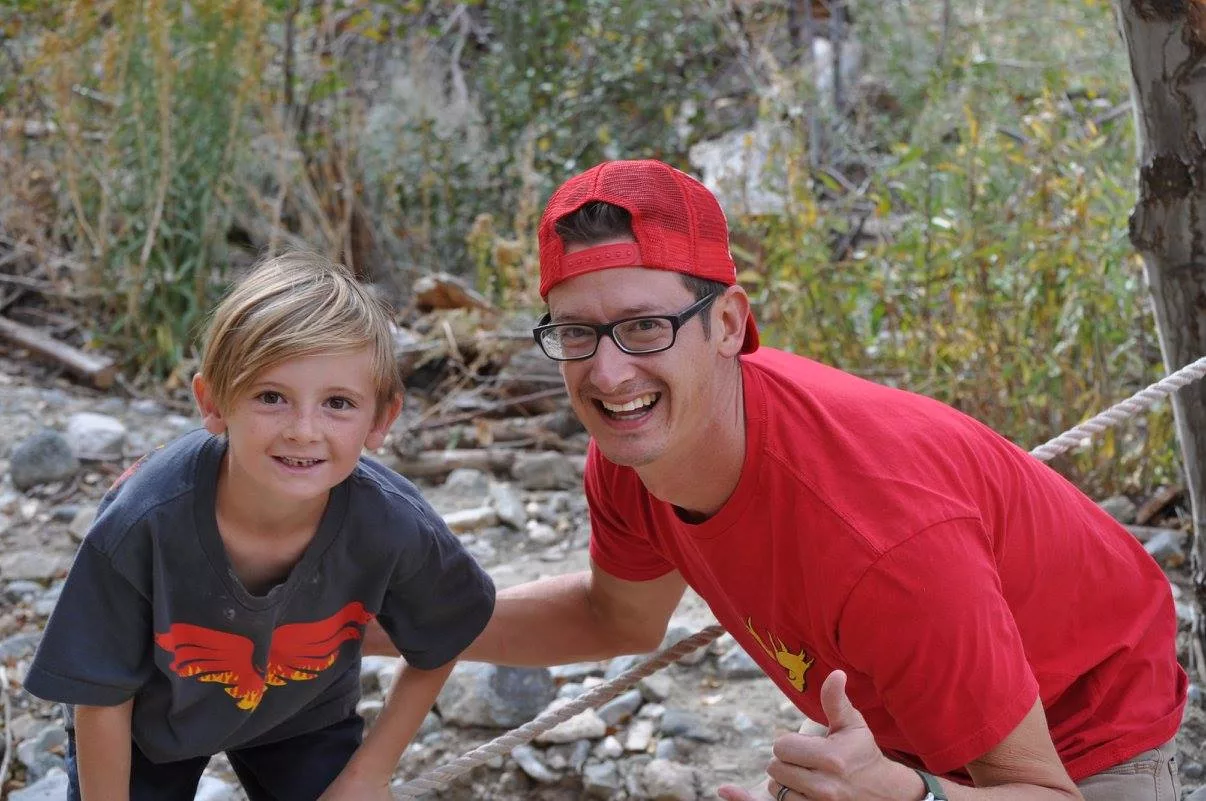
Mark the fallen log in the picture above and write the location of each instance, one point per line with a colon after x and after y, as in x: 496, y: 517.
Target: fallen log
x: 100, y: 370
x: 437, y: 464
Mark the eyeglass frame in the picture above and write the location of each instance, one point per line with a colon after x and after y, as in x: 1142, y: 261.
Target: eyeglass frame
x: 601, y: 330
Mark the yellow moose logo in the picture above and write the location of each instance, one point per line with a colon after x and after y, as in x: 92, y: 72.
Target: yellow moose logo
x: 796, y: 665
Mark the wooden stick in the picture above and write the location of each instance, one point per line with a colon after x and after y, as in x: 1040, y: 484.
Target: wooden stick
x: 100, y: 370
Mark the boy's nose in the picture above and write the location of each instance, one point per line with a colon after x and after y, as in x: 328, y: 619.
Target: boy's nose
x: 302, y: 427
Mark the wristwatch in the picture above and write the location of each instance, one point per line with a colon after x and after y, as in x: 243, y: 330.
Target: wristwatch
x: 934, y: 791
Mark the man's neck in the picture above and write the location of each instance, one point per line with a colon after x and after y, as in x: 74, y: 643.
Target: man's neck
x: 699, y: 478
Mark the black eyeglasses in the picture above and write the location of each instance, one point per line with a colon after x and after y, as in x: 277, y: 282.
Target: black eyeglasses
x: 569, y: 342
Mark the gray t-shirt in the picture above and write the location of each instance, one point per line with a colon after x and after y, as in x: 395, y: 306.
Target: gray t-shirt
x: 152, y: 609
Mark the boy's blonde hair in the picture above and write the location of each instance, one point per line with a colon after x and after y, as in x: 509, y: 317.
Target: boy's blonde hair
x: 295, y: 304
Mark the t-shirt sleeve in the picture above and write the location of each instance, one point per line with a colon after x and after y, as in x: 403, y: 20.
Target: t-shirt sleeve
x: 929, y: 625
x: 96, y: 649
x: 439, y: 600
x: 615, y: 546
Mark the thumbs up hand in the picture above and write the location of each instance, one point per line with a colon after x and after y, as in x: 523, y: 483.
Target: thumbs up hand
x: 842, y: 763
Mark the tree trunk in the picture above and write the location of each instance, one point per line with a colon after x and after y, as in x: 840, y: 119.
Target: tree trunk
x: 1166, y: 42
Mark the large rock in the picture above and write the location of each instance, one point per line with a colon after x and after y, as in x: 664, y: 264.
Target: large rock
x: 33, y: 565
x: 478, y: 694
x: 96, y: 436
x: 545, y: 470
x: 42, y: 458
x: 51, y: 787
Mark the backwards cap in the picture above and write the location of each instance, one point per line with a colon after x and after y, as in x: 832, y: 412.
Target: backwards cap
x: 677, y: 223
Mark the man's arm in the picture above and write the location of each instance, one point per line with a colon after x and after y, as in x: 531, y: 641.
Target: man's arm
x: 1023, y: 767
x: 102, y: 750
x: 577, y: 617
x: 367, y: 775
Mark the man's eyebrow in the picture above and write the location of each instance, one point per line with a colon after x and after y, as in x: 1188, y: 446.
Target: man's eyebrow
x: 639, y: 310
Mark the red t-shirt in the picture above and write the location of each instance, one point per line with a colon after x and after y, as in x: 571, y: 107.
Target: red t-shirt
x: 953, y: 576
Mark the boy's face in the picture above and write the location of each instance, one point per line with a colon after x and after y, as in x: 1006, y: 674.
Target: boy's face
x: 300, y: 427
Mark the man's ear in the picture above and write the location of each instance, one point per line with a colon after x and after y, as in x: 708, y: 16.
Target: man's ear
x: 385, y: 418
x: 730, y: 314
x: 211, y: 415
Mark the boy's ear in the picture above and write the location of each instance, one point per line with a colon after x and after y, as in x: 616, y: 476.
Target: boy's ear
x: 211, y: 416
x: 385, y: 418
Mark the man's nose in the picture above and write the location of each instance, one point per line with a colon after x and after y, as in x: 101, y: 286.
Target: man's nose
x: 610, y: 367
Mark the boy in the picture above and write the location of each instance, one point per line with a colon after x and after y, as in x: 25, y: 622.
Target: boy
x: 219, y: 601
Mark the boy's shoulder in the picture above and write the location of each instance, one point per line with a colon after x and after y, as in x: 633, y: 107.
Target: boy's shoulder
x: 392, y: 494
x: 159, y: 480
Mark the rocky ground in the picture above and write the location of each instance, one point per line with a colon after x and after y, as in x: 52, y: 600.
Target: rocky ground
x: 680, y: 733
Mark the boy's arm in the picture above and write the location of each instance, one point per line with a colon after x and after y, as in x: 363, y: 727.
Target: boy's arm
x: 367, y: 775
x: 102, y: 749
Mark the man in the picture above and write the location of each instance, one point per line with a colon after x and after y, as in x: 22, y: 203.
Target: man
x: 945, y: 603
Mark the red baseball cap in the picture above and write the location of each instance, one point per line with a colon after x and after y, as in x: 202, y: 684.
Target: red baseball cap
x: 677, y: 223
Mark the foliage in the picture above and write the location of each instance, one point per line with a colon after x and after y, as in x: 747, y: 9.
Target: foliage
x: 1003, y: 281
x: 150, y: 96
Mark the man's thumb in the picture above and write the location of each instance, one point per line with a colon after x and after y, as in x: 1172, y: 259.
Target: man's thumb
x: 840, y: 713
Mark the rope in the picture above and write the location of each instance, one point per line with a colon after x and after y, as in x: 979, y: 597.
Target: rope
x: 441, y: 777
x: 1141, y: 401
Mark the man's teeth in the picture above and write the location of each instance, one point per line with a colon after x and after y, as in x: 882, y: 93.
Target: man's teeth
x: 299, y: 462
x: 632, y: 405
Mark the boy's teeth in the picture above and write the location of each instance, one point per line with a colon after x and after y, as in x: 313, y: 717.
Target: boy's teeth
x: 632, y: 405
x: 298, y: 462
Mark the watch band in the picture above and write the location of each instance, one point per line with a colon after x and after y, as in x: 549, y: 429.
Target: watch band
x: 934, y: 791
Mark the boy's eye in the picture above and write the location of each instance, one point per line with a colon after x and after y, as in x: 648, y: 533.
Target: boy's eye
x: 270, y: 398
x: 340, y: 404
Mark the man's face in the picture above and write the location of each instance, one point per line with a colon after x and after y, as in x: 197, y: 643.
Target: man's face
x: 639, y: 408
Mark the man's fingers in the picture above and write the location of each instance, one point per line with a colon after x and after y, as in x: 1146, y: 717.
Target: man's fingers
x: 838, y: 709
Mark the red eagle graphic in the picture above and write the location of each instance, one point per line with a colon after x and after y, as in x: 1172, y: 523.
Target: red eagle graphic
x: 299, y: 652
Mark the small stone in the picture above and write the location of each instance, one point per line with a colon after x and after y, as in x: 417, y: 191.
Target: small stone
x: 640, y: 735
x: 585, y: 725
x: 1197, y: 795
x: 471, y: 519
x: 656, y: 687
x: 19, y: 646
x: 44, y: 457
x: 146, y: 407
x: 621, y: 708
x: 680, y: 723
x: 622, y: 663
x: 576, y: 671
x: 666, y: 749
x: 542, y: 533
x: 82, y: 521
x: 669, y: 781
x: 602, y: 780
x: 377, y: 672
x: 213, y: 788
x: 580, y: 754
x: 370, y: 710
x: 467, y: 482
x: 677, y: 632
x: 509, y: 506
x: 609, y: 748
x: 1121, y: 508
x: 1167, y: 547
x: 1193, y: 770
x: 737, y: 664
x: 529, y: 762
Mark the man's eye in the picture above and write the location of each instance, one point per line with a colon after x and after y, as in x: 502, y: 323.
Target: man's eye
x: 270, y: 398
x: 572, y: 333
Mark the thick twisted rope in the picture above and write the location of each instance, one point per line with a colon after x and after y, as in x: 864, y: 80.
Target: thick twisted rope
x: 1141, y: 401
x: 441, y: 777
